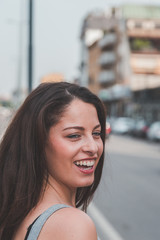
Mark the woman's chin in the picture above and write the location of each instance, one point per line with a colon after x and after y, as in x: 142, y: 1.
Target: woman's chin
x: 86, y: 183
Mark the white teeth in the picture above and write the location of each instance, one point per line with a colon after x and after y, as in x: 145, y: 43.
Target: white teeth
x: 85, y: 163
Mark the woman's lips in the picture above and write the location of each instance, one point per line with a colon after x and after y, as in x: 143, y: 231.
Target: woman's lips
x: 86, y: 170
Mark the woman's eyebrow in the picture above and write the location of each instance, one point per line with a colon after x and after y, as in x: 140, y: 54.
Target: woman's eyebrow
x: 80, y: 128
x: 74, y: 127
x: 97, y: 126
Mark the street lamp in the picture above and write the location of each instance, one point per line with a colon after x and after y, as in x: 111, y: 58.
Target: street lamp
x: 30, y: 48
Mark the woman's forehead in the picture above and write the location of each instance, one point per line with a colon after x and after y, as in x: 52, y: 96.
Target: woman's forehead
x: 79, y: 113
x: 78, y: 108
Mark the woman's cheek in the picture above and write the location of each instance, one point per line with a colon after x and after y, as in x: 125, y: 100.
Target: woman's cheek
x: 101, y: 147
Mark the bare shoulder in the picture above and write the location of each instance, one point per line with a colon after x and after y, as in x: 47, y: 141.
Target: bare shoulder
x: 69, y: 224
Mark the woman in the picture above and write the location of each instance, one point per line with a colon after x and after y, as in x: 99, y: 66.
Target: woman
x: 51, y: 156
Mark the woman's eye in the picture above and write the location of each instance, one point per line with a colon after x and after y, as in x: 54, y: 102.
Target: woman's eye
x: 97, y: 134
x: 73, y: 136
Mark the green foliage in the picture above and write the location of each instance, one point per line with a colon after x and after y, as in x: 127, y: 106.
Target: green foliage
x: 141, y: 44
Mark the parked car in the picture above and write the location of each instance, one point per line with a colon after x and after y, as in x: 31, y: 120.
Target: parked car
x: 108, y: 129
x: 153, y: 133
x: 122, y: 125
x: 140, y: 128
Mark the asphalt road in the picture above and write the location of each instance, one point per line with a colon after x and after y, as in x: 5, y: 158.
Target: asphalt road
x: 129, y: 194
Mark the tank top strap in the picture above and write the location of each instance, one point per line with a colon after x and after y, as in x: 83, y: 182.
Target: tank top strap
x: 40, y: 221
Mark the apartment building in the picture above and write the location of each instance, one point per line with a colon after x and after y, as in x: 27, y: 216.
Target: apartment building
x: 143, y: 33
x: 103, y: 39
x: 120, y: 59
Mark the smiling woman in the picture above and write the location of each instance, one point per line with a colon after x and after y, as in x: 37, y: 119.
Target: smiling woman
x: 51, y: 160
x: 78, y: 134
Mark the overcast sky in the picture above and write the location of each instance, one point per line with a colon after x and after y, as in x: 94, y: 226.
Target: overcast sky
x: 57, y: 27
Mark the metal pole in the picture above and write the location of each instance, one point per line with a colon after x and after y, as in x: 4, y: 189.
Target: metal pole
x: 30, y: 48
x: 19, y: 70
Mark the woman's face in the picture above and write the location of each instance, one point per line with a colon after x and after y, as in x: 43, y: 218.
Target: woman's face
x: 75, y: 146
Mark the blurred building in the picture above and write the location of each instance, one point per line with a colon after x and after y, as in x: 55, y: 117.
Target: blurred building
x: 54, y: 77
x: 120, y: 59
x: 143, y: 33
x: 102, y: 63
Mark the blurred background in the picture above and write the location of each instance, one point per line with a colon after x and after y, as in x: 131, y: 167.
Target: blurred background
x: 113, y: 48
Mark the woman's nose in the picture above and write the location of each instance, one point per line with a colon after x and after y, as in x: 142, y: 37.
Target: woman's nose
x: 90, y: 146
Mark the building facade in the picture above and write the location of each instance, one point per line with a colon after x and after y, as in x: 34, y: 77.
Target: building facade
x: 120, y: 60
x: 103, y: 61
x: 143, y: 33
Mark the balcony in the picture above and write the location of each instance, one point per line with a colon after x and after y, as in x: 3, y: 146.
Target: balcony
x: 145, y: 63
x: 144, y: 81
x: 106, y: 77
x: 115, y: 92
x: 105, y: 95
x: 108, y: 39
x: 107, y: 58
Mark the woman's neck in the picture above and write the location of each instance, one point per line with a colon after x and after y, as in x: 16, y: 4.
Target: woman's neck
x: 58, y: 193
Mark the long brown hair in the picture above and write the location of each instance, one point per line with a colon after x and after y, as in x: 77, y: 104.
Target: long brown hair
x: 22, y: 151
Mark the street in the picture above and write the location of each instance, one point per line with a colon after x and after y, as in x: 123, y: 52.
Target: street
x: 128, y: 196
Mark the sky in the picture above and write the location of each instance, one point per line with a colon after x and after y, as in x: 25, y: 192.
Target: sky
x: 56, y: 39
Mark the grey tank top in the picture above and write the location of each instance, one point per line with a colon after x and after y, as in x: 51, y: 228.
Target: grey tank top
x: 35, y: 228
